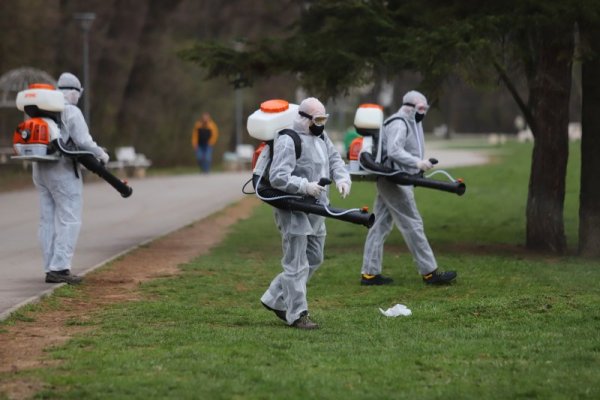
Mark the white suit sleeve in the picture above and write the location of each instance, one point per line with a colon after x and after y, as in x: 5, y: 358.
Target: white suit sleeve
x: 282, y: 166
x: 79, y: 132
x: 337, y: 167
x: 396, y: 133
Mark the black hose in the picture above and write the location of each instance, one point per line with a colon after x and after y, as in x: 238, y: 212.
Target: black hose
x: 402, y: 178
x: 310, y: 205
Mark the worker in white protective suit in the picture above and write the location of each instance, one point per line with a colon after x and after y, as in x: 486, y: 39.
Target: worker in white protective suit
x: 303, y: 235
x: 403, y: 149
x: 60, y: 186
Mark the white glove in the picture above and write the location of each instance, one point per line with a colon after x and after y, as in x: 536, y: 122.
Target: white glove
x: 104, y: 158
x: 314, y: 189
x: 424, y: 165
x: 343, y: 188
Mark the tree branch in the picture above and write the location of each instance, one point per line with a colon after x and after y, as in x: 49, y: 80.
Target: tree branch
x: 515, y: 94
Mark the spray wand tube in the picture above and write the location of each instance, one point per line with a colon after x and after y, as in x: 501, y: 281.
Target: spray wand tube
x: 89, y: 161
x: 402, y: 178
x: 307, y: 204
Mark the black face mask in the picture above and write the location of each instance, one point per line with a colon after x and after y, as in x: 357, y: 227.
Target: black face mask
x: 419, y: 117
x: 316, y: 129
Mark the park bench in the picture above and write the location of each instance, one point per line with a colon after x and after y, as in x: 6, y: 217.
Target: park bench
x: 130, y: 163
x: 240, y: 160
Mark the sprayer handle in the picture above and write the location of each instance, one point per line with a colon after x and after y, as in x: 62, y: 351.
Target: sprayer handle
x: 324, y: 181
x: 433, y: 161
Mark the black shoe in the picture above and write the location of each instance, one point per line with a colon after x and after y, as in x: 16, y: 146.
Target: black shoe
x: 63, y: 276
x: 304, y: 322
x: 378, y: 279
x: 439, y: 278
x: 280, y: 314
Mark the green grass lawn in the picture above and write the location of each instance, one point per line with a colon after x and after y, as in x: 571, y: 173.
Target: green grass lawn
x: 515, y: 325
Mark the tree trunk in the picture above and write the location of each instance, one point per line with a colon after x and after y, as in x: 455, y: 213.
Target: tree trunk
x: 549, y: 102
x: 589, y: 195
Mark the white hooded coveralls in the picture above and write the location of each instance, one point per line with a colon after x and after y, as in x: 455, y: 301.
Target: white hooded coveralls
x: 403, y: 146
x: 61, y: 190
x: 303, y: 235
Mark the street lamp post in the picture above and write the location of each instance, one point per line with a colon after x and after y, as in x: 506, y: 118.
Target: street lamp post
x: 85, y: 22
x: 238, y: 100
x: 238, y: 116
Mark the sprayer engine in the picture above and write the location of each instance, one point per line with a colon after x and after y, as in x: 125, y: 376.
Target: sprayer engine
x: 39, y: 139
x: 32, y: 139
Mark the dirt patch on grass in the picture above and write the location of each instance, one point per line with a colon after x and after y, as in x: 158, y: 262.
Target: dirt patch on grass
x: 22, y: 345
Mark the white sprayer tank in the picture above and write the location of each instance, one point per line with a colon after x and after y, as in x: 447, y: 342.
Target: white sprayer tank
x: 42, y: 96
x: 368, y: 116
x: 367, y: 121
x: 273, y: 116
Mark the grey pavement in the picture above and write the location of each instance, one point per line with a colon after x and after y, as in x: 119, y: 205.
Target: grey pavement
x: 111, y: 226
x: 449, y: 158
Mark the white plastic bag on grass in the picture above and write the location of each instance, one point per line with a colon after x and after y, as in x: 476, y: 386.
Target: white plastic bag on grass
x: 398, y: 309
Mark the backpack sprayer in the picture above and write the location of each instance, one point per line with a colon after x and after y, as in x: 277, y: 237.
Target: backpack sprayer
x: 365, y: 156
x: 38, y: 138
x: 275, y: 117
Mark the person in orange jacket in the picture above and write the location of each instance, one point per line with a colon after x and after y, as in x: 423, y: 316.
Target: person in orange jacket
x: 204, y: 138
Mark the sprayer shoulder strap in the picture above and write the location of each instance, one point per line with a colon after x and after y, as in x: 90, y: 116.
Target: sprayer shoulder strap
x: 295, y: 137
x: 386, y: 123
x: 389, y: 121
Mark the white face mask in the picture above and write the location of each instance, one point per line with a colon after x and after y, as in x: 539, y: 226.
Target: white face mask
x: 72, y: 96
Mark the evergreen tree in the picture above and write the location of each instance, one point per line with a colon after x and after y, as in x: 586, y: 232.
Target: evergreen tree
x: 338, y: 44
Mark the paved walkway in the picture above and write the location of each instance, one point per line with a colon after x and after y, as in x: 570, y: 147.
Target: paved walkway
x: 449, y: 158
x: 111, y: 225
